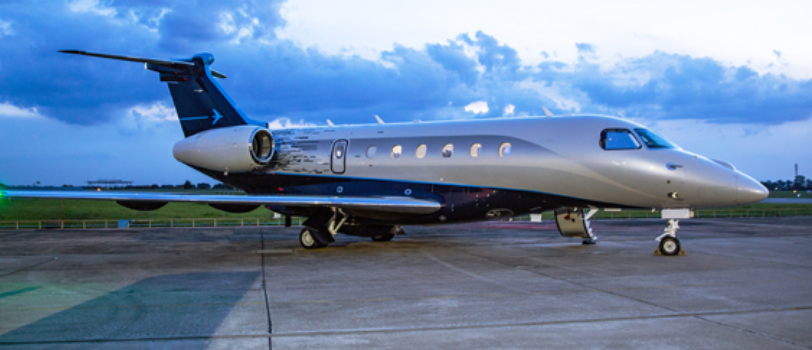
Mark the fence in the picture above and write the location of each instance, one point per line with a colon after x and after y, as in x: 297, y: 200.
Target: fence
x: 240, y: 222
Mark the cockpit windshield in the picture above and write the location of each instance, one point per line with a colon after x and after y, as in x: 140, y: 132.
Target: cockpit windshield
x: 618, y: 139
x: 653, y: 140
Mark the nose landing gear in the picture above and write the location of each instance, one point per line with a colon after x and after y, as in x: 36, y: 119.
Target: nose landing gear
x: 669, y: 244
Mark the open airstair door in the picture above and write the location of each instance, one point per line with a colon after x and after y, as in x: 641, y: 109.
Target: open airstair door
x: 572, y: 223
x: 339, y: 157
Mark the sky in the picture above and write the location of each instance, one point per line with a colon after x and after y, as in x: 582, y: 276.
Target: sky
x: 731, y: 80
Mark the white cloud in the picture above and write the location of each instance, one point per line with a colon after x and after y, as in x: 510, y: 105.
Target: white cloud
x: 12, y: 111
x: 157, y: 112
x: 230, y: 26
x: 5, y: 28
x: 552, y: 92
x: 91, y: 6
x: 146, y: 116
x: 477, y: 107
x: 285, y: 123
x: 227, y: 23
x: 722, y: 30
x: 509, y: 109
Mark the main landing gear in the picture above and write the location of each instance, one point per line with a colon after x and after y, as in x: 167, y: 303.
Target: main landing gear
x: 386, y: 234
x: 308, y: 239
x: 669, y: 244
x: 321, y: 227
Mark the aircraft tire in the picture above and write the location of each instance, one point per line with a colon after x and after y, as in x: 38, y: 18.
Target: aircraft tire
x: 388, y: 236
x: 306, y: 239
x: 669, y: 246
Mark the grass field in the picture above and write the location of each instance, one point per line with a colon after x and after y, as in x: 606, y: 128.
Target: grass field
x: 50, y: 209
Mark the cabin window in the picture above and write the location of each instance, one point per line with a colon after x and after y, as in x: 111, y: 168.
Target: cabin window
x: 339, y: 151
x: 653, y: 140
x: 371, y: 151
x: 618, y: 139
x: 448, y: 150
x: 475, y: 149
x: 504, y: 149
x: 396, y: 151
x: 420, y: 151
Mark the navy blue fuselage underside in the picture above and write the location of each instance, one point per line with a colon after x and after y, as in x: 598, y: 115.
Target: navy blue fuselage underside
x: 460, y: 203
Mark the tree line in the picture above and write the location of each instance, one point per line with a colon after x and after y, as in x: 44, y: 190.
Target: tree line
x: 800, y: 183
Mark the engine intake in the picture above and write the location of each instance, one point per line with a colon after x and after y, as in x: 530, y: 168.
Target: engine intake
x: 234, y: 149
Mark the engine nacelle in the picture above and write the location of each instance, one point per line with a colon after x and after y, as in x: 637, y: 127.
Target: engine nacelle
x: 234, y: 149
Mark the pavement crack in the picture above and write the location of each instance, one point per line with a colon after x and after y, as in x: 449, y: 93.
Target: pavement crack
x: 338, y: 332
x: 469, y: 273
x: 573, y: 282
x: 265, y: 288
x: 750, y: 331
x: 28, y: 267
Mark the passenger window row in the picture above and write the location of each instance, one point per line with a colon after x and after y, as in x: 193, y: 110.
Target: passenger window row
x: 447, y: 150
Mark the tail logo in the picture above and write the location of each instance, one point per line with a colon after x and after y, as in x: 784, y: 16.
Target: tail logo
x: 217, y: 117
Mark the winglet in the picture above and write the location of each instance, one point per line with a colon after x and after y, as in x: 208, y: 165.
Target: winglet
x: 330, y: 122
x: 547, y: 111
x: 380, y: 121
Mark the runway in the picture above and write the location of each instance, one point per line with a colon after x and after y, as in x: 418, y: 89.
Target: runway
x: 744, y: 284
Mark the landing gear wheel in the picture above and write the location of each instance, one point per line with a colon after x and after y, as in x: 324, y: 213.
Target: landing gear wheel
x: 388, y: 235
x: 669, y: 246
x: 589, y: 242
x: 307, y: 240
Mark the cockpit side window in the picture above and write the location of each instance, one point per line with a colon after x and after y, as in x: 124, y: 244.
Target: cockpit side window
x: 618, y: 139
x: 653, y: 140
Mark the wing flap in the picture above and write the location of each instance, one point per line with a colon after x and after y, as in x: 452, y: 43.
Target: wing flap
x: 404, y: 205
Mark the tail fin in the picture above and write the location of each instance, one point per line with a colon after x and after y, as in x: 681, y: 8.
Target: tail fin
x: 200, y: 102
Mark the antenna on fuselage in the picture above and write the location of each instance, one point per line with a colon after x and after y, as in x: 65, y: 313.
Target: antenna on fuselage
x: 547, y: 112
x: 330, y: 123
x: 380, y: 121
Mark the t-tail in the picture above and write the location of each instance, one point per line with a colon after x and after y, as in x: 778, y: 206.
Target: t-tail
x: 200, y: 102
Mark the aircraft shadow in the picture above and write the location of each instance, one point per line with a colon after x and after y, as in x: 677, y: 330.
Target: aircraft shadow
x: 181, y: 306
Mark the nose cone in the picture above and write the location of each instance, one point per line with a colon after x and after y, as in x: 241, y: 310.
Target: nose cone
x: 749, y: 190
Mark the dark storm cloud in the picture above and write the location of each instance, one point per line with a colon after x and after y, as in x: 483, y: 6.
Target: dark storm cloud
x: 271, y: 78
x: 182, y: 24
x: 682, y: 87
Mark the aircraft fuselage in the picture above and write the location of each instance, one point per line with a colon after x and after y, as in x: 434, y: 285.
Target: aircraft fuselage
x: 491, y: 168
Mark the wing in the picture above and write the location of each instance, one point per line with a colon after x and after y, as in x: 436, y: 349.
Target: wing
x: 403, y: 205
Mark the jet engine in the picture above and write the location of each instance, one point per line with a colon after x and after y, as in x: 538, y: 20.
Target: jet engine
x: 234, y: 149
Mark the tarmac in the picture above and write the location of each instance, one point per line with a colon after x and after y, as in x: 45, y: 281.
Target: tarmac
x: 745, y: 283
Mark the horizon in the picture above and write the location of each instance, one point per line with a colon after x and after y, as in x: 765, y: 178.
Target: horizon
x: 699, y: 74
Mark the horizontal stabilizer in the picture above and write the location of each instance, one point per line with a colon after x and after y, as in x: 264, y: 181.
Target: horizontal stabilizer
x: 184, y: 62
x: 404, y: 205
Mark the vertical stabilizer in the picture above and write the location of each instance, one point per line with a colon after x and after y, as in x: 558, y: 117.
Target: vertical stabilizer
x: 200, y: 102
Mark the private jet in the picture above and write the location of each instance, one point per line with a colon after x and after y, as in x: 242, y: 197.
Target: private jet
x: 370, y: 180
